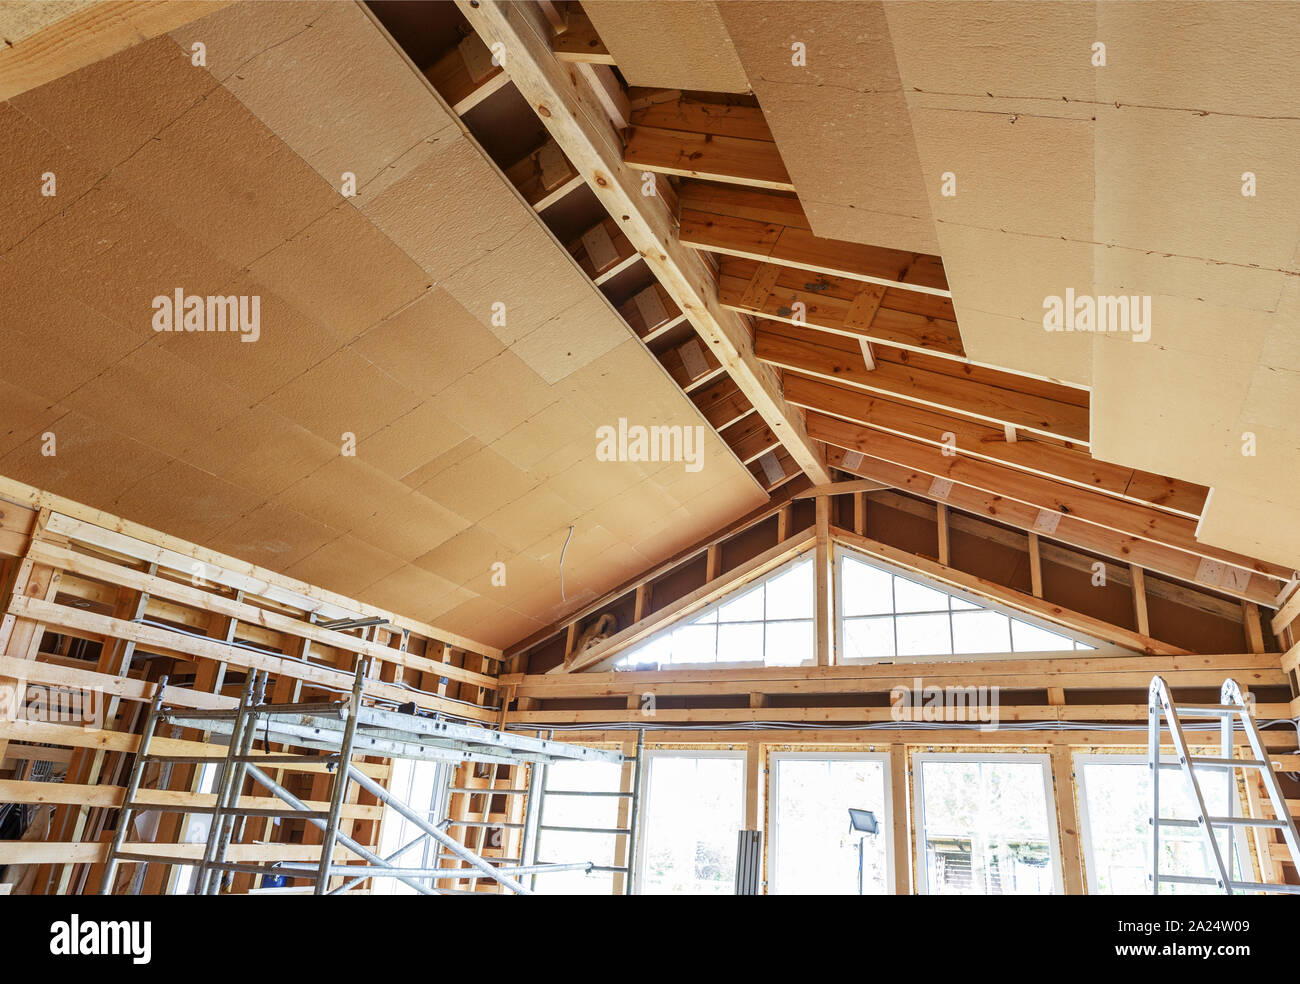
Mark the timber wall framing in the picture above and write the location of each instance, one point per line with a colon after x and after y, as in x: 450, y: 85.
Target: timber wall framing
x: 97, y: 609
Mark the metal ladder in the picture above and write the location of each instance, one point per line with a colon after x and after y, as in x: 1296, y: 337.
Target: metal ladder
x: 535, y: 823
x: 1232, y: 707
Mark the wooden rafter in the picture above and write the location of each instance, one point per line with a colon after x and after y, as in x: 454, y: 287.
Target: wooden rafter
x: 1000, y: 398
x: 578, y: 123
x: 764, y: 226
x: 969, y: 437
x: 891, y: 315
x: 1154, y: 556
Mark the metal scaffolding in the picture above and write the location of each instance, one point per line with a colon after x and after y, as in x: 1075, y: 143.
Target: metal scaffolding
x: 340, y: 730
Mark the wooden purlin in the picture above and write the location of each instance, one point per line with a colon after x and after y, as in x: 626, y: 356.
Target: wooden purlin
x: 103, y: 607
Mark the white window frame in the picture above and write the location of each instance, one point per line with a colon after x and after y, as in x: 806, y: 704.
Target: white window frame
x: 841, y: 550
x: 918, y: 772
x: 738, y: 592
x: 1081, y: 759
x: 645, y: 805
x: 886, y: 822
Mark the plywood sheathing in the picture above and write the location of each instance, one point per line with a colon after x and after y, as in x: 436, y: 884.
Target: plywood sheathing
x: 840, y: 120
x: 475, y: 439
x: 997, y: 98
x: 1126, y: 180
x: 680, y: 45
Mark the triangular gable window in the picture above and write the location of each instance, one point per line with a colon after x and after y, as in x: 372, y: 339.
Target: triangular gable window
x: 887, y: 616
x: 766, y: 624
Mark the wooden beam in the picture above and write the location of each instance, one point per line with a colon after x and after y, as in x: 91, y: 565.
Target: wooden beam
x: 1035, y: 566
x: 580, y: 43
x: 577, y: 121
x: 1078, y: 533
x: 941, y: 528
x: 940, y: 383
x: 1067, y: 821
x: 981, y: 440
x: 1045, y: 495
x: 1139, y: 585
x: 900, y: 805
x: 921, y: 322
x: 756, y: 163
x: 822, y: 583
x: 764, y: 226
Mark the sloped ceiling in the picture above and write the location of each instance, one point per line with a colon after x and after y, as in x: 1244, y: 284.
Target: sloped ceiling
x: 475, y: 439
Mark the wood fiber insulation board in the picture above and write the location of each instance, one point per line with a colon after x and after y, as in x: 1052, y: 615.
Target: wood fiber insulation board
x: 376, y: 316
x: 41, y: 41
x: 840, y: 120
x: 1201, y: 105
x: 1001, y: 96
x: 679, y: 45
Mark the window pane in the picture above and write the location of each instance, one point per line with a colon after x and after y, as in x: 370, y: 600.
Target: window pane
x: 1117, y: 798
x: 986, y: 828
x: 742, y: 641
x: 912, y: 597
x: 813, y: 851
x: 790, y: 594
x: 869, y: 638
x: 695, y: 644
x: 692, y: 814
x: 923, y: 635
x: 981, y: 632
x: 865, y: 590
x: 789, y: 643
x: 1026, y: 638
x: 746, y: 608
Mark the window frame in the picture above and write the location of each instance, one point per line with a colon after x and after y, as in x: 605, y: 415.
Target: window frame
x: 645, y: 803
x: 773, y: 828
x: 840, y: 551
x: 804, y: 556
x: 1042, y: 759
x: 1079, y: 762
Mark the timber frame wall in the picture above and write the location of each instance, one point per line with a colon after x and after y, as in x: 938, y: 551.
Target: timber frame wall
x: 97, y: 609
x: 1058, y: 706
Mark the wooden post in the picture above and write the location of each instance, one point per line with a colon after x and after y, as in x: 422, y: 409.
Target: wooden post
x: 823, y: 588
x: 1035, y: 567
x: 898, y: 768
x: 1138, y: 578
x: 1067, y: 821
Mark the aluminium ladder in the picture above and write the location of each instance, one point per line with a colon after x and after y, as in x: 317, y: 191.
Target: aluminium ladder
x: 342, y: 730
x: 1232, y: 708
x: 535, y: 824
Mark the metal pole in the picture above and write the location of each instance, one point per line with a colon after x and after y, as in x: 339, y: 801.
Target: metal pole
x: 635, y: 820
x: 341, y: 777
x: 223, y: 787
x: 536, y: 796
x: 360, y: 850
x: 1227, y: 725
x: 456, y: 848
x: 132, y: 787
x: 1153, y: 767
x: 388, y: 861
x: 237, y: 785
